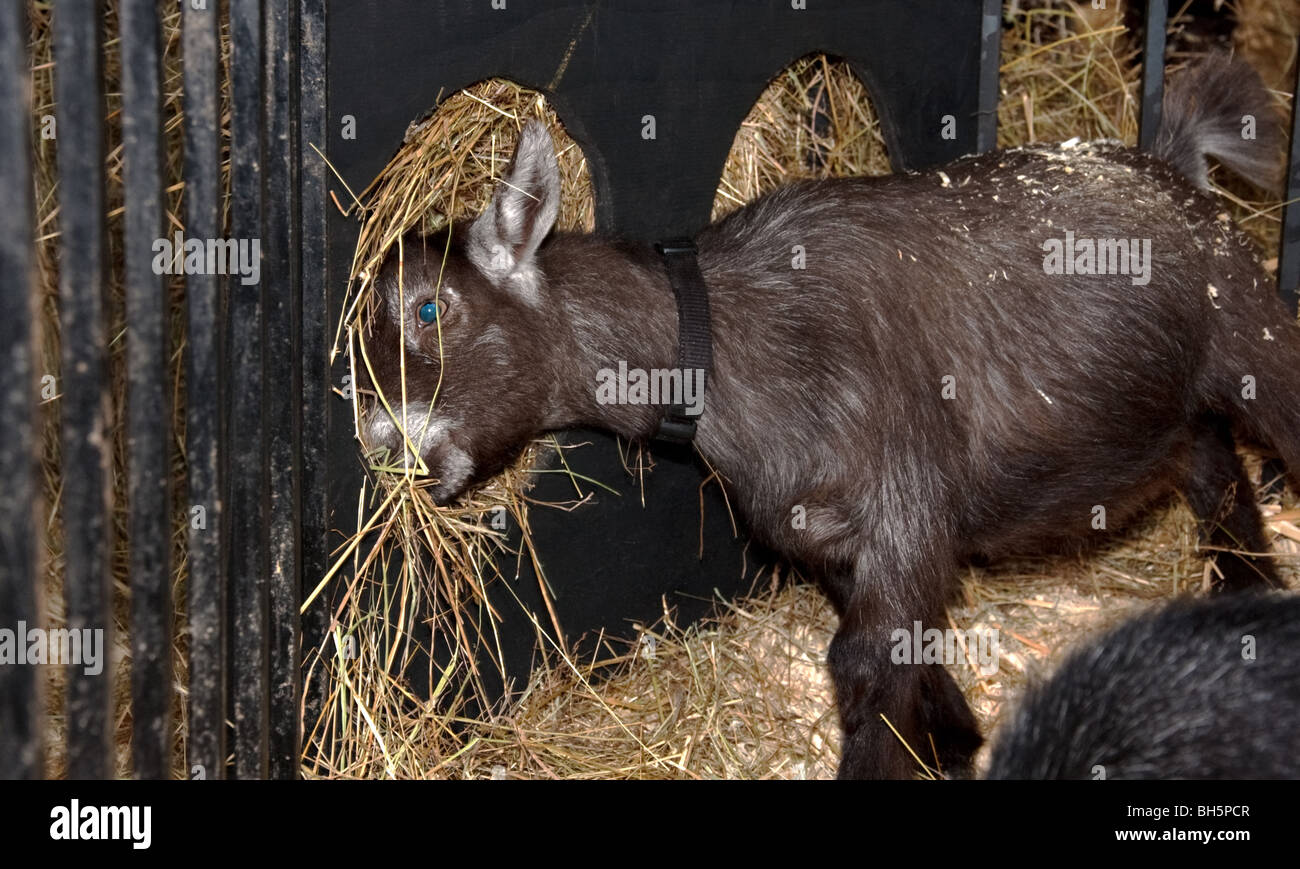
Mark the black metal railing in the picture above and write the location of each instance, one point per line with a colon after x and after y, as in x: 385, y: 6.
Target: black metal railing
x: 246, y: 391
x: 83, y: 379
x: 20, y: 697
x: 148, y: 396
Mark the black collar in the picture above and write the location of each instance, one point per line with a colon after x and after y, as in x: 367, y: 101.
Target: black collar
x: 694, y: 342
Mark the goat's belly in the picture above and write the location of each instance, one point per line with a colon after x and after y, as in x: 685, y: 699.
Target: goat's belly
x: 1038, y: 503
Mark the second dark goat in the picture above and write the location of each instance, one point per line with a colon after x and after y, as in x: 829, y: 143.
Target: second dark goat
x: 912, y: 371
x: 1197, y: 689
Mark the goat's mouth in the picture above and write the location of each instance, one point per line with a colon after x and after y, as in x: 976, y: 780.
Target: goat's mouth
x: 426, y: 447
x: 450, y: 471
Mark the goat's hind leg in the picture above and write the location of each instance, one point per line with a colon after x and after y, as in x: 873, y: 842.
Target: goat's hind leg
x: 1222, y: 496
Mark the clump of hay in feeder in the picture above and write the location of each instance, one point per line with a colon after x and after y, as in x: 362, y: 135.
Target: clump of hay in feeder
x: 746, y: 694
x: 815, y: 120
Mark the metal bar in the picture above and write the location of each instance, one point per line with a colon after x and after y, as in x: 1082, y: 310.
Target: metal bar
x: 83, y: 313
x: 283, y: 298
x: 204, y: 384
x: 1288, y: 268
x: 990, y: 85
x: 148, y: 406
x: 1153, y: 72
x: 20, y: 694
x: 248, y: 491
x: 316, y: 333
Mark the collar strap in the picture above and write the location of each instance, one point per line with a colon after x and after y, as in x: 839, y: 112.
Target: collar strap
x: 694, y: 342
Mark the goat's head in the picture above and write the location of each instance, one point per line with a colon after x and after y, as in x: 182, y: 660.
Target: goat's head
x: 461, y: 341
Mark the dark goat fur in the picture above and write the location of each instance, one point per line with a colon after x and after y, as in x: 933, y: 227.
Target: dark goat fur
x: 1199, y: 689
x: 1064, y: 391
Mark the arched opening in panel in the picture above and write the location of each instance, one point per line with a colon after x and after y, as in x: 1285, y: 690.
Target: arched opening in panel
x: 814, y: 120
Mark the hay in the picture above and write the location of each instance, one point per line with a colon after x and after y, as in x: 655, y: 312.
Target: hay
x: 743, y: 698
x: 815, y: 120
x: 1266, y: 36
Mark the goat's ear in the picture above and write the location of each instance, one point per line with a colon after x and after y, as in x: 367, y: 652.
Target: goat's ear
x: 505, y: 237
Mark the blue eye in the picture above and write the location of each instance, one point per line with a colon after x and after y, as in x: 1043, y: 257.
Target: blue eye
x: 428, y: 312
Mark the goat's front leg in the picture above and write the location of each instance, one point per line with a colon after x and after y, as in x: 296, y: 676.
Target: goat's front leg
x: 921, y: 701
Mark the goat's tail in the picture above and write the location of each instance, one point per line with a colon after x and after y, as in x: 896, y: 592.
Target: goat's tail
x: 1220, y: 107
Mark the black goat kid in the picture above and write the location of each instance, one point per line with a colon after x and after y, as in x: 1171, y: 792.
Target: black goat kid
x: 910, y: 371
